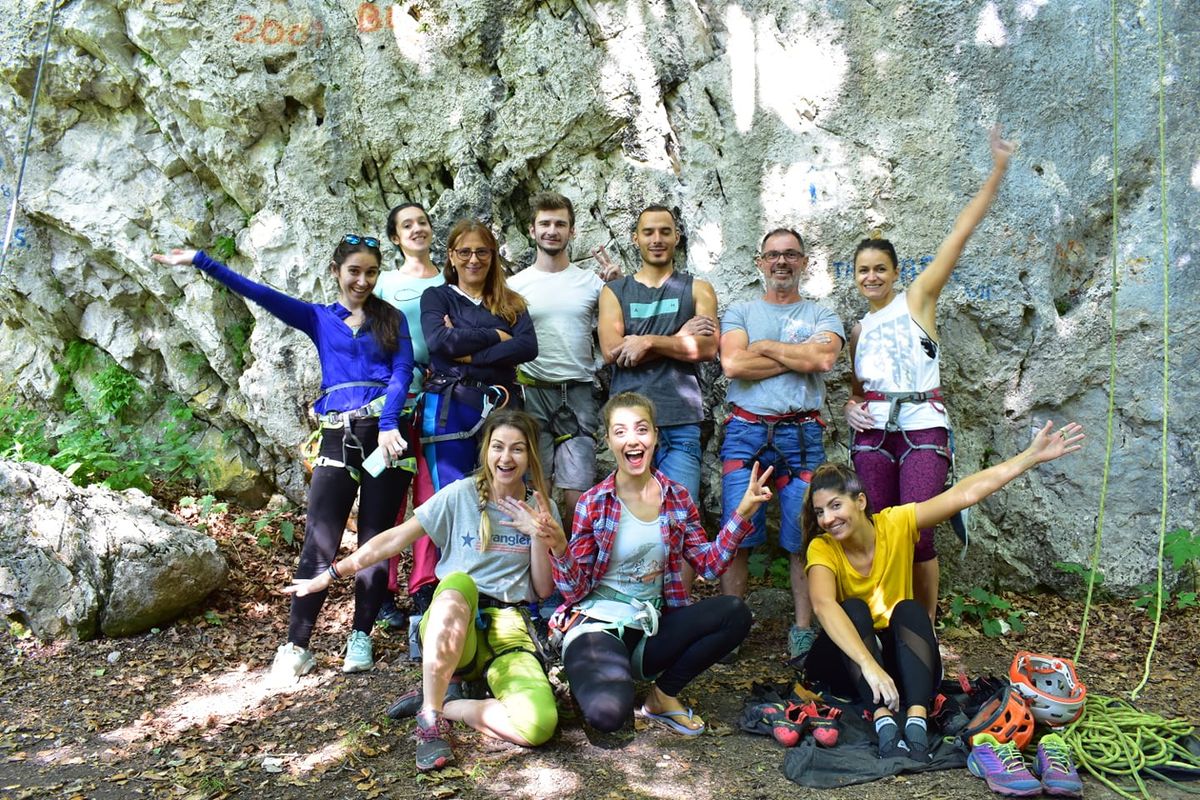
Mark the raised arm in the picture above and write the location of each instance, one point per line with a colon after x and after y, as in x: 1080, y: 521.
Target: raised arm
x: 286, y: 308
x: 382, y: 546
x: 927, y: 287
x: 1047, y: 445
x: 710, y: 559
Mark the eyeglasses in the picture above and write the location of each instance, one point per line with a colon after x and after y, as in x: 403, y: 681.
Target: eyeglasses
x: 354, y: 238
x: 482, y: 253
x: 790, y: 256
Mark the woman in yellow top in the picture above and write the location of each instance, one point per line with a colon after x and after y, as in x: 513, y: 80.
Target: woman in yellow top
x: 877, y: 643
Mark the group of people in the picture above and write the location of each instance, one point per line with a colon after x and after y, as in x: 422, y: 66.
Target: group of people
x: 437, y: 365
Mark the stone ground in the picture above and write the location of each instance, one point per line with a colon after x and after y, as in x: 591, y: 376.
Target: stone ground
x: 185, y: 712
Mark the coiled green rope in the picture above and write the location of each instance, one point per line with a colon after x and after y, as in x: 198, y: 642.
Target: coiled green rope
x: 1117, y: 743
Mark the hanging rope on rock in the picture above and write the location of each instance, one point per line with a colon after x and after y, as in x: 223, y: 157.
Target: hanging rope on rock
x: 37, y: 85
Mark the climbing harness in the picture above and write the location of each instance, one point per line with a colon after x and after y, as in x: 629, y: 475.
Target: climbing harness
x: 782, y: 477
x: 612, y: 612
x: 493, y: 397
x: 564, y: 417
x: 335, y: 420
x: 33, y: 100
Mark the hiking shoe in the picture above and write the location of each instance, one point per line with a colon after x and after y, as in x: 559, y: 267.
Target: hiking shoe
x: 292, y: 661
x: 1055, y: 768
x: 1002, y: 767
x: 391, y: 617
x: 800, y: 641
x: 409, y: 703
x: 433, y: 751
x: 360, y: 655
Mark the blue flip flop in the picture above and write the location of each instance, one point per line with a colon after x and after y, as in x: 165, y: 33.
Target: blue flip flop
x: 668, y: 720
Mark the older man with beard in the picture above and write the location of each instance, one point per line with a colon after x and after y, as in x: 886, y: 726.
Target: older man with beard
x: 775, y: 352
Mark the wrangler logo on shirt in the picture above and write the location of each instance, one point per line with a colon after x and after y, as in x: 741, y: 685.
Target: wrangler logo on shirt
x: 668, y: 305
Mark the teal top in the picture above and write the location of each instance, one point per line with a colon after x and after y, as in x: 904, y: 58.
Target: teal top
x: 405, y: 293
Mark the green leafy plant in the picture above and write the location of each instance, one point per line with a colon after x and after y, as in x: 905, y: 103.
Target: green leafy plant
x: 207, y: 507
x: 274, y: 521
x: 224, y: 248
x: 774, y: 572
x: 1182, y: 546
x: 994, y: 615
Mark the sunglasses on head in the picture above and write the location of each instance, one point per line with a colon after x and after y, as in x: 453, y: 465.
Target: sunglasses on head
x: 354, y: 238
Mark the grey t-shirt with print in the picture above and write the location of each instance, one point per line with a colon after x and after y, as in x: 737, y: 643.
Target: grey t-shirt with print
x: 451, y: 518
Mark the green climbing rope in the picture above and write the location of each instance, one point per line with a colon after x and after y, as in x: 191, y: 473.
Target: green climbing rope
x: 1166, y: 366
x: 1112, y: 345
x: 1117, y: 744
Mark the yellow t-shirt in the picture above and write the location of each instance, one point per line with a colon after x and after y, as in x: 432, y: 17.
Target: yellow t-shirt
x: 890, y: 579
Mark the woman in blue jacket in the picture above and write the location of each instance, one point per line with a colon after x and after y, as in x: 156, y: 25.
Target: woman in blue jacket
x: 478, y: 331
x: 366, y: 357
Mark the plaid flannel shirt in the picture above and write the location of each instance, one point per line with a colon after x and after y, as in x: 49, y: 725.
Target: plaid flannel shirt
x: 586, y: 559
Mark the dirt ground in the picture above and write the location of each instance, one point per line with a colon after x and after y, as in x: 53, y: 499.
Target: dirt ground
x: 186, y: 711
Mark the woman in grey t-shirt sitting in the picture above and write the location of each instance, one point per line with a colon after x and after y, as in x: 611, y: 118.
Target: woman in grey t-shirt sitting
x: 490, y: 567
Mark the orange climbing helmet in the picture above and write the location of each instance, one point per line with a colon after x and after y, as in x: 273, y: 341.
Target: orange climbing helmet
x: 1051, y: 688
x: 1004, y: 716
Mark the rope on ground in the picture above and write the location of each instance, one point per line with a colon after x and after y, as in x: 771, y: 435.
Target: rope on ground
x: 1166, y: 268
x: 1117, y: 743
x: 1112, y: 341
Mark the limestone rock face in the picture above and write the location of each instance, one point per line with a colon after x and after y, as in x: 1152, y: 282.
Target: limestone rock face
x: 282, y: 126
x: 87, y: 561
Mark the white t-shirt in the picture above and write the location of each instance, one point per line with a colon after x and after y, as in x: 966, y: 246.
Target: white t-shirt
x: 563, y: 307
x: 894, y: 354
x: 638, y: 559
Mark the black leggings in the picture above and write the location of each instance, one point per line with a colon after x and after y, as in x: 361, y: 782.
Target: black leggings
x: 689, y: 640
x: 909, y: 654
x: 330, y: 498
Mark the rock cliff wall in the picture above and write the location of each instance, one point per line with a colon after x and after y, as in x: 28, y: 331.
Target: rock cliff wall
x: 281, y: 124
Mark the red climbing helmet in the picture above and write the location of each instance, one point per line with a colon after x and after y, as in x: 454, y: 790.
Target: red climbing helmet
x: 1054, y: 693
x: 1004, y: 716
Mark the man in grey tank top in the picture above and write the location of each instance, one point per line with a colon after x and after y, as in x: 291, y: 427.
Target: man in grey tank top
x: 654, y: 327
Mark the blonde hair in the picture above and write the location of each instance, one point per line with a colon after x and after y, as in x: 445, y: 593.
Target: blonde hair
x: 497, y: 297
x: 527, y: 425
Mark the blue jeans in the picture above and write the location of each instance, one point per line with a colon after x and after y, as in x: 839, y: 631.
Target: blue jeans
x: 678, y: 456
x: 798, y: 450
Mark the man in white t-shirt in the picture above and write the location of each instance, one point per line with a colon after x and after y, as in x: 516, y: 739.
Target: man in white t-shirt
x: 775, y: 352
x: 558, y: 384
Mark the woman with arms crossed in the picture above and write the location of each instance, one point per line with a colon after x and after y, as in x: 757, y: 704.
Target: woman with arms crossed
x: 877, y: 644
x: 490, y: 568
x: 901, y: 448
x: 622, y: 575
x: 366, y: 366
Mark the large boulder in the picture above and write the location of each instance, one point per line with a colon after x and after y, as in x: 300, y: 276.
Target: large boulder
x: 83, y: 562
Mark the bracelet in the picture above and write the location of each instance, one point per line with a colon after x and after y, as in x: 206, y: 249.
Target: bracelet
x: 333, y: 573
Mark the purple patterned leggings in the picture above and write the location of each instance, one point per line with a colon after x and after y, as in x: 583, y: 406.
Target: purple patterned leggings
x: 895, y: 474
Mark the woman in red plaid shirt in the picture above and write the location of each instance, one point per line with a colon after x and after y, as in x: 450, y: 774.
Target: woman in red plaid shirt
x: 630, y: 616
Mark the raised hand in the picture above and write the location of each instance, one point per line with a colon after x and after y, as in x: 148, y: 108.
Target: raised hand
x: 1049, y: 444
x: 1002, y: 149
x: 757, y: 492
x: 858, y: 416
x: 609, y: 270
x: 176, y: 258
x: 536, y: 523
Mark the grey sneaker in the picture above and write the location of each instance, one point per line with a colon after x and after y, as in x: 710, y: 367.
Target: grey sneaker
x: 292, y: 661
x: 360, y: 655
x: 800, y: 641
x: 433, y: 751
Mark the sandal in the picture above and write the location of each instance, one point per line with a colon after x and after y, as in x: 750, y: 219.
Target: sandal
x: 669, y: 720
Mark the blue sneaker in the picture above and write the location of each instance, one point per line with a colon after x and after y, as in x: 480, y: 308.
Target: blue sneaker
x: 360, y: 655
x: 1055, y: 768
x: 1002, y: 766
x: 800, y: 641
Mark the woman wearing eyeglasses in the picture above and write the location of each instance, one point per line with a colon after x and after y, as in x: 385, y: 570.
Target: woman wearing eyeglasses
x: 478, y: 331
x: 901, y: 441
x: 366, y: 358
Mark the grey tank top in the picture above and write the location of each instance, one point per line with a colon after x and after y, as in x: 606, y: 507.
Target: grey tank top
x: 674, y: 386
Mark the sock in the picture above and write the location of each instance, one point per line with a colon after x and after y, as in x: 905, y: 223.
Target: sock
x: 915, y: 731
x: 887, y: 730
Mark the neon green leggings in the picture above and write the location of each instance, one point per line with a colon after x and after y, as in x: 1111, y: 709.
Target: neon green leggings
x: 516, y: 678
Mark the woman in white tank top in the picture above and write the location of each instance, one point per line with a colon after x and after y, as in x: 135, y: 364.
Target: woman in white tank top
x: 901, y: 451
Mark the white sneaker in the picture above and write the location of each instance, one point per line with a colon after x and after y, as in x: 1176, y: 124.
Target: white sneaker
x: 360, y: 655
x: 292, y: 661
